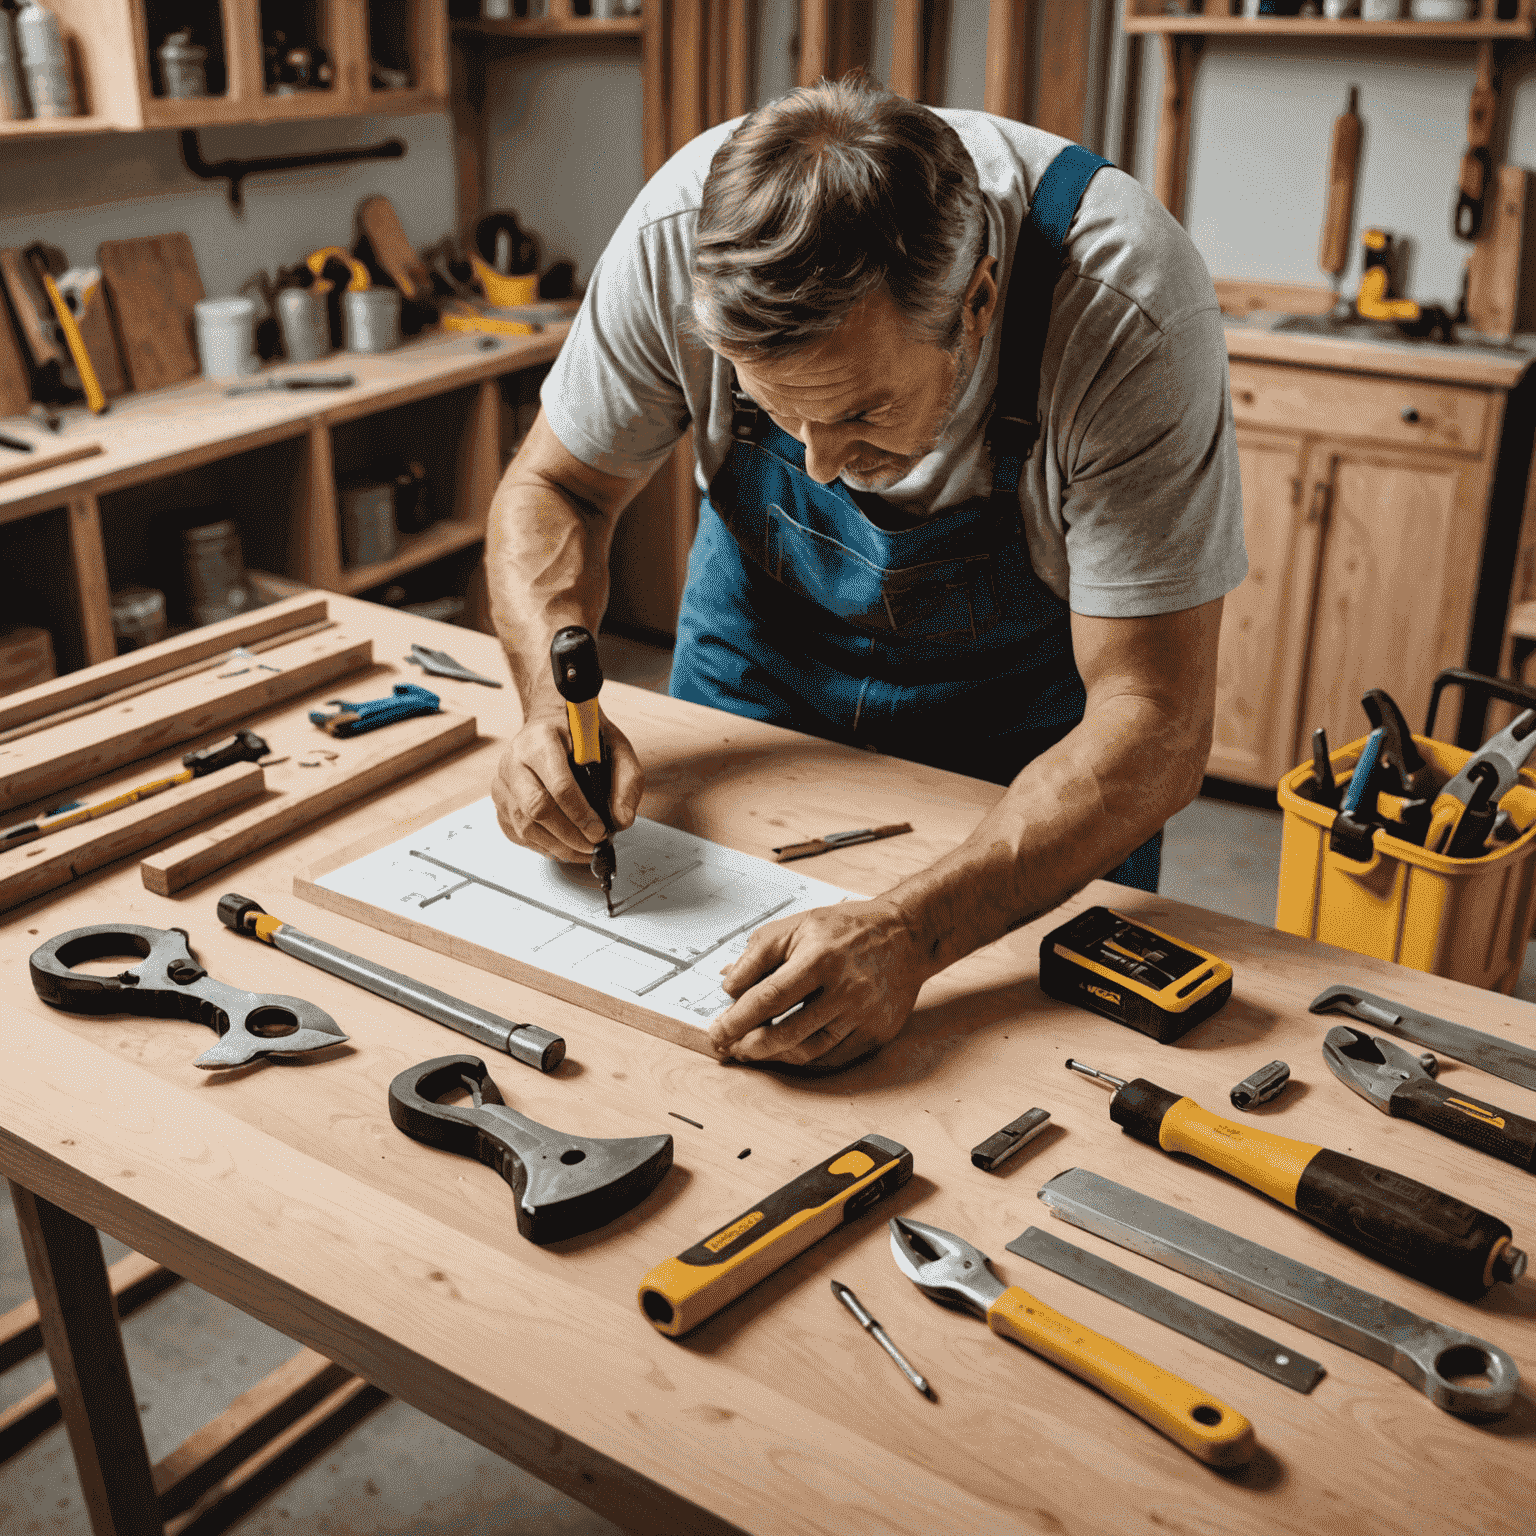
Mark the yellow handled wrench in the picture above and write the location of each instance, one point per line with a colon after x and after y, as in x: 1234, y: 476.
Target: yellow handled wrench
x: 950, y: 1270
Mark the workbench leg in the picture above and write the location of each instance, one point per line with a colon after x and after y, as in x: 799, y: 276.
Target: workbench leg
x: 85, y: 1348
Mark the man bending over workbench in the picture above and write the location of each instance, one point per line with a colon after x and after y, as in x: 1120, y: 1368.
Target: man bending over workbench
x: 865, y: 307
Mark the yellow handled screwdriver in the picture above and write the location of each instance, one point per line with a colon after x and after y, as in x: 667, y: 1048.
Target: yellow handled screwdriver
x: 579, y: 678
x: 952, y: 1271
x: 1432, y: 1236
x: 245, y: 747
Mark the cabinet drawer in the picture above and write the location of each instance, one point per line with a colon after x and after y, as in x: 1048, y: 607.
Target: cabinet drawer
x: 1402, y: 412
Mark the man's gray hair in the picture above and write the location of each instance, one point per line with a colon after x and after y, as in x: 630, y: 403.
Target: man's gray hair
x: 816, y: 200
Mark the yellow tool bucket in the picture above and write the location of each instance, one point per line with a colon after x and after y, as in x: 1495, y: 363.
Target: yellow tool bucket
x: 1468, y: 919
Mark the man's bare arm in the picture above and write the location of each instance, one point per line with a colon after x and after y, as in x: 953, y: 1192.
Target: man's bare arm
x: 1072, y: 814
x: 546, y: 554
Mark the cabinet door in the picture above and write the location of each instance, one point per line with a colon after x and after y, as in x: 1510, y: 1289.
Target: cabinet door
x: 1264, y: 623
x: 1401, y: 552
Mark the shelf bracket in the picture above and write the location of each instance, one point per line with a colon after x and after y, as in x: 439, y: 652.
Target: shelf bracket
x: 235, y: 171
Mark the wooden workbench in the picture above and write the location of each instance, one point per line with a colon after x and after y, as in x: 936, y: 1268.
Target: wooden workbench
x: 285, y: 1189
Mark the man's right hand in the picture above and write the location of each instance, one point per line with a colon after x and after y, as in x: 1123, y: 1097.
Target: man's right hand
x: 539, y: 803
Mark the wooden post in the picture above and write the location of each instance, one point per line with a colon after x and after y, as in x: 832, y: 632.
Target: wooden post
x: 815, y: 40
x: 1007, y: 28
x: 906, y: 77
x: 687, y: 51
x: 467, y: 101
x: 1181, y: 53
x: 1061, y: 97
x: 85, y: 1348
x: 93, y: 589
x: 315, y: 534
x: 738, y: 57
x: 655, y: 125
x: 242, y: 51
x: 480, y: 456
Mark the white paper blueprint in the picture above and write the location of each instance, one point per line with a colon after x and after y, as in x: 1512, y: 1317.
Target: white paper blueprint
x: 683, y: 907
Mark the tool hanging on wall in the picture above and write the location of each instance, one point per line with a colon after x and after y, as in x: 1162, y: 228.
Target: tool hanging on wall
x: 1432, y: 1236
x: 956, y: 1273
x: 1476, y: 172
x: 527, y: 1043
x: 565, y: 1185
x: 169, y: 984
x: 1456, y: 1371
x: 1339, y: 209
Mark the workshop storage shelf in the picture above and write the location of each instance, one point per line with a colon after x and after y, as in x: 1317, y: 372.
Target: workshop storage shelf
x: 36, y: 552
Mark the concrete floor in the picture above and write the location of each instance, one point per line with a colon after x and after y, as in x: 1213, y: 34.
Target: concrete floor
x: 398, y: 1472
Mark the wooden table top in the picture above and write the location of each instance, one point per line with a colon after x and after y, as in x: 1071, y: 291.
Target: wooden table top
x: 285, y: 1189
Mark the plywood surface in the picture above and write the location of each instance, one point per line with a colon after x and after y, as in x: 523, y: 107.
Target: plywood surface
x: 682, y: 910
x: 153, y: 283
x: 287, y: 1190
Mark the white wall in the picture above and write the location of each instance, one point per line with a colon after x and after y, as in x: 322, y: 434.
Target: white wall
x: 1262, y: 123
x: 76, y: 192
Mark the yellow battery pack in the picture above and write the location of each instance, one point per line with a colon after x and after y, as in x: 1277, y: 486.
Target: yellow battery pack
x: 1146, y: 980
x: 680, y: 1293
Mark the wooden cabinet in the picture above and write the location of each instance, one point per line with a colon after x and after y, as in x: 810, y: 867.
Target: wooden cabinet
x: 1366, y: 503
x: 114, y: 44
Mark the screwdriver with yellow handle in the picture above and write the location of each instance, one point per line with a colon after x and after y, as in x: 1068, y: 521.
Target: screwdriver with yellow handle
x: 579, y: 679
x: 244, y: 747
x: 1432, y: 1236
x: 954, y: 1272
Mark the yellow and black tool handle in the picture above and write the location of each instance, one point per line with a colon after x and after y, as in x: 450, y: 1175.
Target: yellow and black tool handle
x: 1194, y: 1420
x: 1432, y: 1236
x: 578, y: 678
x: 1463, y: 1118
x: 681, y: 1292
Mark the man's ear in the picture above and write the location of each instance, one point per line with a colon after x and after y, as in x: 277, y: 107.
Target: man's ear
x: 981, y: 299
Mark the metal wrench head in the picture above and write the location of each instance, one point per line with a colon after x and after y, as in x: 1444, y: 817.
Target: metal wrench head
x: 944, y: 1266
x: 1373, y: 1066
x: 1506, y: 753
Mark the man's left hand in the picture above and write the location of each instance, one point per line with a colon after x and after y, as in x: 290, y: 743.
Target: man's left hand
x: 858, y: 967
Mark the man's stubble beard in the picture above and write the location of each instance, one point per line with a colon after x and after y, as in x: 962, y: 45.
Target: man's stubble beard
x: 892, y: 472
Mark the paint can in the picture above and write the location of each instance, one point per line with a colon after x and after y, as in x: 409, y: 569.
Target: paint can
x: 13, y: 94
x: 371, y: 319
x: 305, y: 326
x: 215, y: 565
x: 138, y: 617
x: 45, y: 62
x: 226, y: 341
x: 368, y: 532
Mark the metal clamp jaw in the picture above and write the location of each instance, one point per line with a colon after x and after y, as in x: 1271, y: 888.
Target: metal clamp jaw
x: 168, y: 983
x: 1374, y: 1067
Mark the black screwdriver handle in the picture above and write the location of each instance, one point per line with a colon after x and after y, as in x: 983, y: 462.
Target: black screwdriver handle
x: 1463, y: 1118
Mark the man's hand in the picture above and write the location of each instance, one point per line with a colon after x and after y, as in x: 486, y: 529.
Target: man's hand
x: 860, y: 966
x: 539, y: 803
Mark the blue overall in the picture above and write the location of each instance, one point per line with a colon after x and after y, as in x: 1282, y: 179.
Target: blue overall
x: 936, y: 643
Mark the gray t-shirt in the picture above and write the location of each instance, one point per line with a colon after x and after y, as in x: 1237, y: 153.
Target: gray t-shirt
x: 1131, y: 501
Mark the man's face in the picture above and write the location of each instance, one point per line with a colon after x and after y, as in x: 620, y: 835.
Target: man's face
x: 868, y: 401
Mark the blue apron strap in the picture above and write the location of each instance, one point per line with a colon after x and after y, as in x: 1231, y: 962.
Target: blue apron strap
x: 1015, y: 424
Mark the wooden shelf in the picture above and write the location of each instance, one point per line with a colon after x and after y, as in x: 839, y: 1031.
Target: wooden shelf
x: 51, y: 127
x: 1345, y: 30
x: 555, y: 26
x: 416, y: 550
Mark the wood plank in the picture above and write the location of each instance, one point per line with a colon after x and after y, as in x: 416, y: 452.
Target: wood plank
x: 273, y: 1404
x: 14, y: 465
x: 739, y: 17
x: 53, y: 760
x: 479, y: 470
x: 153, y: 282
x: 906, y: 73
x: 656, y: 115
x: 92, y: 587
x: 33, y: 1415
x: 85, y: 1349
x: 1241, y: 296
x: 133, y: 1281
x: 1061, y: 94
x: 49, y: 862
x: 1170, y: 172
x: 314, y: 545
x: 212, y: 640
x: 1008, y: 27
x: 287, y: 1453
x: 1461, y: 364
x: 1493, y: 268
x: 363, y: 764
x: 15, y: 377
x: 687, y: 72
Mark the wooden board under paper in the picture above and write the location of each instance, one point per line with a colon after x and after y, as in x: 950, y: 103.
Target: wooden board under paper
x: 683, y: 909
x: 358, y: 765
x: 65, y: 755
x: 49, y: 862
